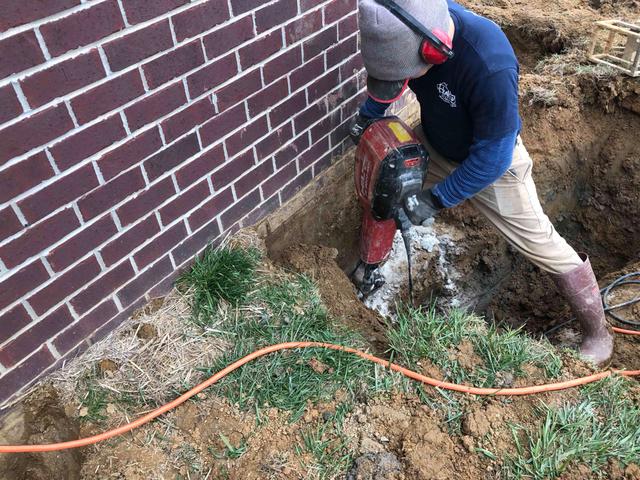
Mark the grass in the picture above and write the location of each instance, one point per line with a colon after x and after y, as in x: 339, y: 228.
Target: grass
x: 426, y: 334
x: 222, y: 274
x: 603, y: 425
x: 284, y: 310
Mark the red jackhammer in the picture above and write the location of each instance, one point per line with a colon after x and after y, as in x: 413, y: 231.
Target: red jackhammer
x: 391, y: 165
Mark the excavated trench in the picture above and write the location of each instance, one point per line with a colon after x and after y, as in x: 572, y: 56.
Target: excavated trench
x: 587, y: 170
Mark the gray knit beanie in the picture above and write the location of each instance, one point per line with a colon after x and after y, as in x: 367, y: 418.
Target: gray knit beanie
x: 390, y: 49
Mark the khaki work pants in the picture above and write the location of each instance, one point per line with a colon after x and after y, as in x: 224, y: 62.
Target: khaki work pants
x: 512, y: 205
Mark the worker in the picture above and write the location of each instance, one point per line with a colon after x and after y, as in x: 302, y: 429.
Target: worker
x: 464, y: 74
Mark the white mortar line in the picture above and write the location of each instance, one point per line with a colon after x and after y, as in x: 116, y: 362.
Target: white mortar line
x: 125, y: 123
x: 19, y: 214
x: 173, y: 32
x: 104, y: 60
x: 24, y: 103
x: 123, y: 13
x: 52, y: 161
x: 73, y: 117
x: 145, y: 84
x: 43, y: 45
x: 76, y: 210
x: 48, y: 267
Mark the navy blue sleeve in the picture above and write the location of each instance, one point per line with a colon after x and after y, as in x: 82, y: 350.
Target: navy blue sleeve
x: 488, y: 160
x: 373, y: 109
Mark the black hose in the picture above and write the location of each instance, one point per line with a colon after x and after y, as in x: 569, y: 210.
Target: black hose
x: 406, y: 237
x: 605, y: 292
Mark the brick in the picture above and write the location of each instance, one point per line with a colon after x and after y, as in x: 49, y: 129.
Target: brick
x: 72, y: 150
x: 295, y: 186
x: 242, y: 6
x: 135, y: 47
x: 20, y: 347
x: 145, y: 281
x: 338, y: 9
x: 323, y: 85
x: 314, y: 153
x: 321, y: 165
x: 102, y: 287
x: 285, y: 111
x: 237, y: 91
x: 282, y: 65
x: 145, y: 201
x: 63, y: 286
x: 265, y: 208
x: 173, y: 64
x: 212, y: 75
x: 165, y: 286
x: 246, y: 136
x: 260, y: 49
x: 351, y: 67
x: 76, y: 247
x: 83, y: 328
x: 225, y: 39
x: 9, y: 105
x: 160, y: 245
x: 303, y: 27
x: 210, y: 209
x: 341, y: 51
x: 306, y: 73
x: 108, y: 96
x: 195, y: 243
x: 141, y: 10
x: 275, y: 139
x: 340, y: 133
x: 200, y: 18
x: 25, y: 373
x: 172, y: 156
x: 240, y: 209
x: 254, y: 178
x: 20, y: 283
x: 82, y: 28
x: 325, y: 126
x: 187, y: 119
x: 110, y: 194
x: 155, y: 106
x: 19, y: 12
x: 279, y: 180
x: 22, y: 176
x: 220, y: 125
x: 290, y: 152
x: 62, y: 78
x: 59, y: 193
x: 320, y: 42
x: 312, y: 114
x: 19, y: 52
x: 34, y: 131
x: 37, y: 238
x: 9, y: 223
x: 275, y: 14
x: 123, y: 245
x: 232, y: 170
x: 13, y: 321
x: 309, y: 4
x: 130, y: 153
x: 184, y: 202
x: 201, y: 166
x: 348, y: 26
x: 342, y: 94
x: 267, y: 97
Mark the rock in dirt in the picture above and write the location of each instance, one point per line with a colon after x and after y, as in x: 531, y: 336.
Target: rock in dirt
x: 146, y: 331
x: 376, y: 466
x: 40, y: 419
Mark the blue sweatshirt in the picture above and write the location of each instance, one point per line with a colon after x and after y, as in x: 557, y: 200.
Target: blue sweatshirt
x: 469, y: 106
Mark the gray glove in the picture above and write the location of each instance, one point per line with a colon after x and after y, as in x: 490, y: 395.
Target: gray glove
x: 358, y: 125
x: 422, y: 207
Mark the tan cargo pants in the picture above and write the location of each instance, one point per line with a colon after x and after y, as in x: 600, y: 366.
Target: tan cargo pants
x: 512, y: 205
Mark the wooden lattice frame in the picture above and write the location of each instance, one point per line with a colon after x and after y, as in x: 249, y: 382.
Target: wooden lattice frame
x: 620, y: 53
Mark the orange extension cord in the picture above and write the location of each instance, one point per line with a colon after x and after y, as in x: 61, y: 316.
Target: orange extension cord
x: 82, y: 442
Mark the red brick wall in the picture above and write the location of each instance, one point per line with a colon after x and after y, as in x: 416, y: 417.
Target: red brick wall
x: 135, y: 132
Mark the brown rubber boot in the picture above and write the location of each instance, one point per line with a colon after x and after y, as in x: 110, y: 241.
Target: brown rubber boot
x: 580, y: 288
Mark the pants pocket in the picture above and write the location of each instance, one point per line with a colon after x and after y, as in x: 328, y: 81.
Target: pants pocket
x: 513, y: 191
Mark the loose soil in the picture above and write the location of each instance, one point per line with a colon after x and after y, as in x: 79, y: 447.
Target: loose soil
x: 580, y: 125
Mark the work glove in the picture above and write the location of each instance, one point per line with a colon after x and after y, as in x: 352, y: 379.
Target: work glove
x: 422, y: 207
x: 357, y: 127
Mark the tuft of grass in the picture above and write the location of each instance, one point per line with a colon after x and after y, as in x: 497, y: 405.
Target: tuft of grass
x: 93, y: 404
x: 426, y: 334
x: 285, y: 310
x: 603, y: 426
x: 220, y: 274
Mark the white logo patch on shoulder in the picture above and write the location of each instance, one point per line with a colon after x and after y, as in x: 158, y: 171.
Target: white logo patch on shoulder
x: 446, y: 95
